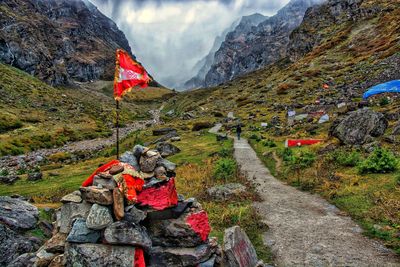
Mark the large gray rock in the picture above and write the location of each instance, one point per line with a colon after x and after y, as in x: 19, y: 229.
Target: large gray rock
x: 43, y: 258
x: 238, y: 249
x: 167, y: 149
x: 130, y: 158
x: 24, y: 260
x: 226, y: 191
x: 180, y: 256
x: 18, y: 214
x: 71, y: 211
x: 360, y: 126
x: 99, y: 217
x: 12, y: 245
x: 127, y: 233
x: 95, y: 255
x: 93, y: 194
x: 72, y: 197
x: 80, y: 233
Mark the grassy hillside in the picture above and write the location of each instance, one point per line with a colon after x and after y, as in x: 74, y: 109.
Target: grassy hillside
x: 35, y: 115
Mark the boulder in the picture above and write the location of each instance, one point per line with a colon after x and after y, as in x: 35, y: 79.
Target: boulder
x: 201, y: 125
x: 226, y: 191
x: 35, y: 176
x: 180, y: 256
x: 238, y: 249
x: 163, y: 131
x: 104, y: 182
x: 167, y: 149
x: 127, y: 233
x: 11, y: 179
x: 24, y: 260
x: 130, y: 158
x: 80, y: 233
x: 18, y: 214
x: 72, y: 197
x: 13, y: 244
x: 134, y: 215
x: 56, y: 243
x: 359, y: 126
x: 99, y: 217
x: 93, y: 194
x: 95, y: 255
x: 71, y: 211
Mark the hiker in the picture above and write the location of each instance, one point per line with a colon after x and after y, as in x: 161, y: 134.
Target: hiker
x: 238, y: 130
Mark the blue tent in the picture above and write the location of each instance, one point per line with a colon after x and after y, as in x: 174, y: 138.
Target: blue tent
x: 389, y: 87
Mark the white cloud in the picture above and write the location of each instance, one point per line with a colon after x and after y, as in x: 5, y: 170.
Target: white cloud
x: 170, y: 36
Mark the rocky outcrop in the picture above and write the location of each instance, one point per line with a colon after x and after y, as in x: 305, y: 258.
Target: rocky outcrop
x: 250, y: 47
x: 360, y: 127
x: 59, y: 41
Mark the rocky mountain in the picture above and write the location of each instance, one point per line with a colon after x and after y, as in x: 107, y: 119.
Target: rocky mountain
x: 203, y: 66
x: 59, y: 41
x: 252, y: 47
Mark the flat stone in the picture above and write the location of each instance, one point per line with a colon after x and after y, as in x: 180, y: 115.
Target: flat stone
x: 71, y: 211
x: 238, y: 249
x: 134, y: 215
x: 104, y: 182
x: 95, y: 255
x: 179, y: 256
x: 118, y: 205
x: 18, y: 214
x: 56, y: 243
x: 116, y: 169
x: 93, y: 194
x: 99, y: 217
x: 80, y: 233
x: 104, y: 175
x: 127, y: 233
x: 72, y: 197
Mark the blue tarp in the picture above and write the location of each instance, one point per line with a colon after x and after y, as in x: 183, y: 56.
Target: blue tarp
x: 389, y: 87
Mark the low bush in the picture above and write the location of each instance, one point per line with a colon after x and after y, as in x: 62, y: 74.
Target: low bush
x: 286, y: 154
x: 304, y: 160
x: 224, y: 168
x: 269, y: 143
x: 380, y: 161
x: 347, y: 159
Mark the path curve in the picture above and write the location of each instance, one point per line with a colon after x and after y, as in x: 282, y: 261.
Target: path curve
x: 304, y: 229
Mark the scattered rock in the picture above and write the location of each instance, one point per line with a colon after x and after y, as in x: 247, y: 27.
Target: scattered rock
x: 104, y: 183
x: 93, y: 194
x: 9, y: 179
x: 238, y: 250
x: 163, y: 131
x: 134, y: 215
x: 80, y: 233
x: 35, y: 176
x: 95, y: 255
x: 18, y: 214
x: 167, y: 149
x: 99, y: 217
x: 359, y: 126
x: 226, y: 191
x: 69, y: 212
x: 175, y: 139
x: 127, y: 233
x: 72, y: 197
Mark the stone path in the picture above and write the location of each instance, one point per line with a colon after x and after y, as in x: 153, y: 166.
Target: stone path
x: 304, y: 229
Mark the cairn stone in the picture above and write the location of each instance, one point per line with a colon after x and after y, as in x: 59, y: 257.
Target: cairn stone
x: 80, y: 233
x: 104, y: 183
x: 134, y: 215
x: 118, y: 205
x: 72, y: 197
x: 99, y: 217
x: 148, y: 161
x: 56, y: 243
x: 116, y: 169
x: 127, y: 233
x: 130, y: 158
x: 71, y: 211
x: 93, y: 194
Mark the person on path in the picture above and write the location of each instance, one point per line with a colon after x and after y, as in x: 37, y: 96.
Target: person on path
x: 238, y: 130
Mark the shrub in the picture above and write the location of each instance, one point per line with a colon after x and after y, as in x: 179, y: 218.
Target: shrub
x: 255, y: 137
x: 225, y: 152
x: 384, y: 101
x: 380, y: 161
x: 269, y: 143
x: 304, y: 160
x: 286, y: 154
x: 347, y: 159
x: 224, y: 168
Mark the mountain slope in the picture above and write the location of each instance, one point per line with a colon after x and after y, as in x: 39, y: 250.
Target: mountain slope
x: 255, y: 47
x: 59, y: 41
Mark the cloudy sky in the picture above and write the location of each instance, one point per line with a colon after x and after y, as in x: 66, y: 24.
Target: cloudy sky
x: 170, y: 36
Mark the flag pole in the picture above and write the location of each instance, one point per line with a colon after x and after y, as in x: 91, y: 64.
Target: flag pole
x: 117, y: 124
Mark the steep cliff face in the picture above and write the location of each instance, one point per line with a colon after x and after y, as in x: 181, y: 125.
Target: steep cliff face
x: 257, y: 46
x: 59, y: 41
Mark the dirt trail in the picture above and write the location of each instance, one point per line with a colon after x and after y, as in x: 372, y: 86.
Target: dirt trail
x: 304, y: 229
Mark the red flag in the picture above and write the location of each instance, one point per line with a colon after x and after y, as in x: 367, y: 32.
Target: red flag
x: 128, y: 74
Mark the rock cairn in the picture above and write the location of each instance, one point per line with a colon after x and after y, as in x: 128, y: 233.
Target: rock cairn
x: 100, y: 225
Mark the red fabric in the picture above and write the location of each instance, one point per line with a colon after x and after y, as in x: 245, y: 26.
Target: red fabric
x: 105, y: 167
x: 128, y: 74
x: 159, y: 198
x: 139, y: 258
x: 301, y: 142
x: 132, y: 186
x: 199, y: 223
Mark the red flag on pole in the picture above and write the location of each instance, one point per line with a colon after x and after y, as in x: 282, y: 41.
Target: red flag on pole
x: 128, y: 74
